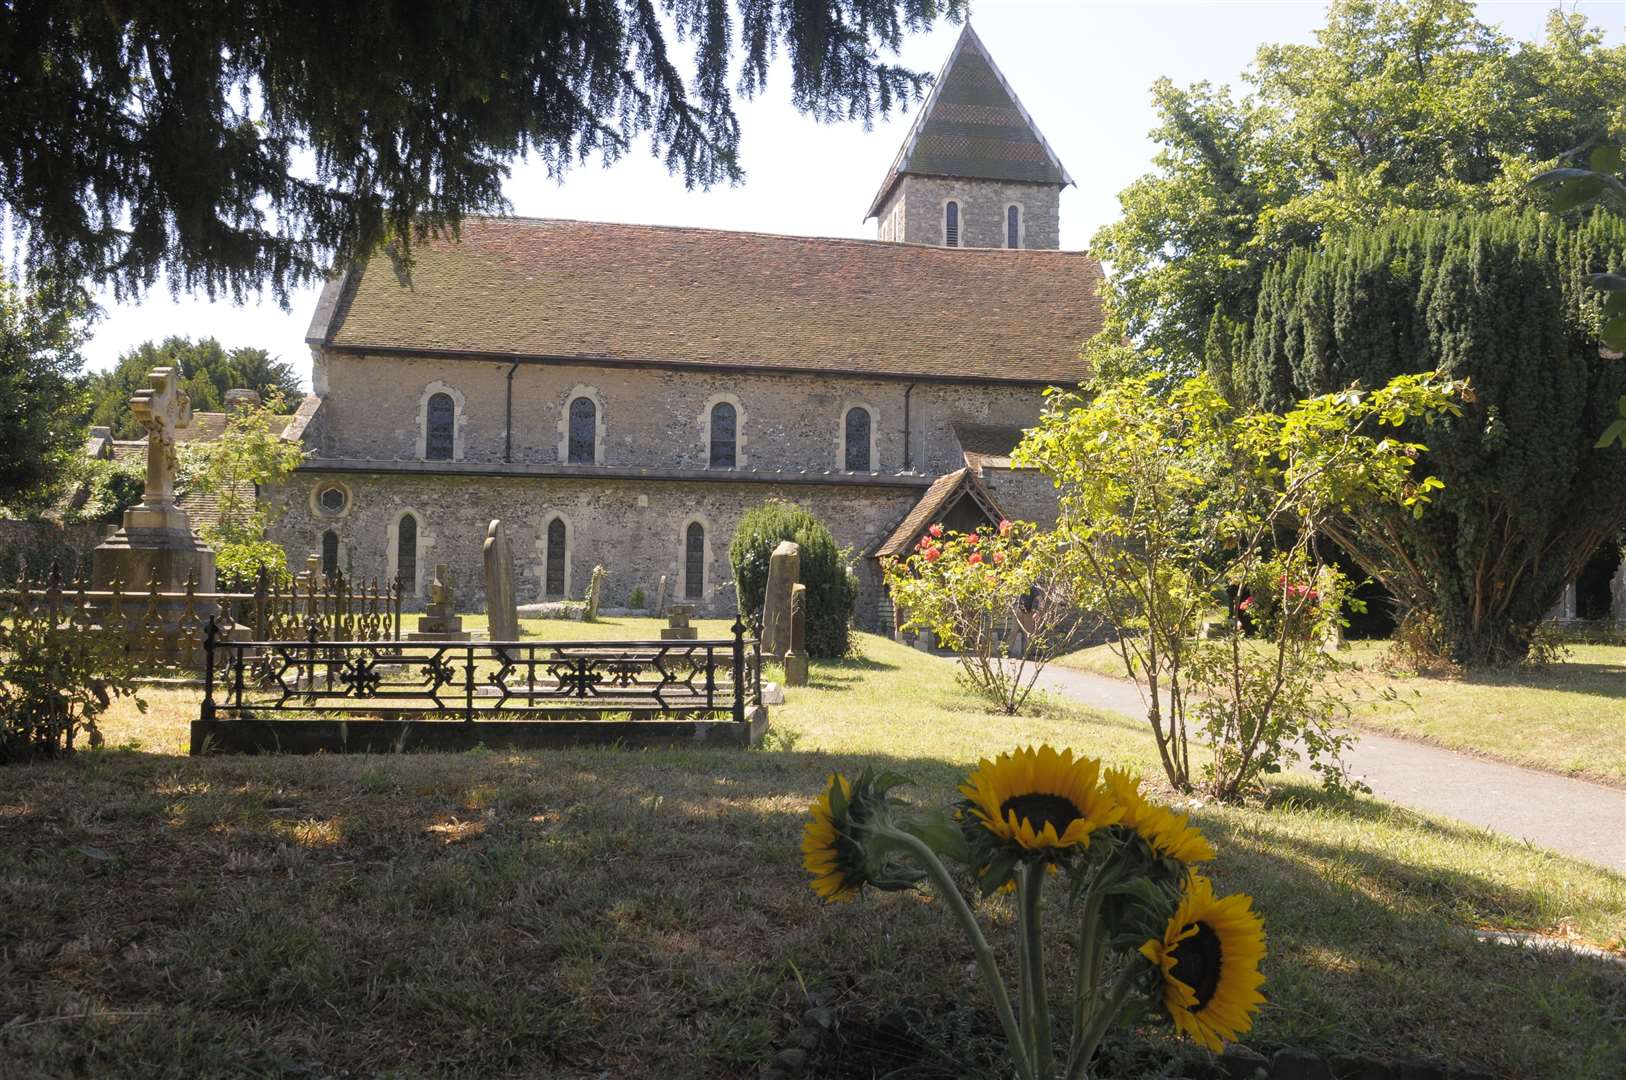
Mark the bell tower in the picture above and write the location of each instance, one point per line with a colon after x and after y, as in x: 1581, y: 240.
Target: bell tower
x: 974, y: 170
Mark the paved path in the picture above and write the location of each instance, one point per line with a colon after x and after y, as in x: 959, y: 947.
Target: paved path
x: 1575, y: 817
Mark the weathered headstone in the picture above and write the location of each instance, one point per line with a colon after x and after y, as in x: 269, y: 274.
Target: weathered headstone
x: 677, y: 626
x: 783, y: 568
x: 660, y: 598
x: 796, y: 655
x: 502, y: 611
x: 440, y: 621
x: 595, y: 592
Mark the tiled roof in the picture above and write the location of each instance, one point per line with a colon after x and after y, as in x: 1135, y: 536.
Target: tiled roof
x: 595, y: 292
x: 945, y: 491
x: 971, y: 125
x: 201, y: 510
x: 987, y: 444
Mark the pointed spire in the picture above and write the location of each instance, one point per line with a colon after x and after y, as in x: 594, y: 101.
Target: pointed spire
x: 973, y: 126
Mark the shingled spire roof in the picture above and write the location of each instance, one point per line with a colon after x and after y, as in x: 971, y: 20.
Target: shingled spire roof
x: 972, y: 125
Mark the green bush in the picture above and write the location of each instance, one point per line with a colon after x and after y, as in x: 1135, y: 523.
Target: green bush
x: 55, y: 679
x: 831, y: 586
x: 238, y: 565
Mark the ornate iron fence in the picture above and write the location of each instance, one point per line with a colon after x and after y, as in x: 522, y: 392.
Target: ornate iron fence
x: 165, y: 629
x: 471, y: 679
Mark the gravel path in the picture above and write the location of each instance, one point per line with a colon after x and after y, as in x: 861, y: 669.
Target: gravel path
x: 1576, y: 817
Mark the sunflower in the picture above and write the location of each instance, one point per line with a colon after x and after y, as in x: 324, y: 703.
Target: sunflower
x: 1040, y: 799
x: 1164, y: 832
x: 1209, y: 958
x: 834, y: 860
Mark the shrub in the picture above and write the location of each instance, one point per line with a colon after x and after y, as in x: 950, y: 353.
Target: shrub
x: 55, y: 679
x: 831, y: 586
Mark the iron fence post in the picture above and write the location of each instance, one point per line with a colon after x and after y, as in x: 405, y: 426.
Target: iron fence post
x: 739, y: 668
x: 210, y: 631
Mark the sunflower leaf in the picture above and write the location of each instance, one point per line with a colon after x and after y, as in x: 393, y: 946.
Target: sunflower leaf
x: 939, y: 832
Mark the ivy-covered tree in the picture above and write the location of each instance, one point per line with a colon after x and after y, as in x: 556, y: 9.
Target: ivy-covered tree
x: 1503, y: 301
x: 251, y: 144
x: 207, y: 370
x: 41, y: 331
x: 1399, y: 106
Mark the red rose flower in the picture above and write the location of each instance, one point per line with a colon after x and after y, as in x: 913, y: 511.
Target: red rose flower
x: 1247, y: 602
x: 973, y: 539
x: 976, y: 557
x: 1004, y: 527
x: 999, y: 556
x: 933, y: 554
x: 936, y: 530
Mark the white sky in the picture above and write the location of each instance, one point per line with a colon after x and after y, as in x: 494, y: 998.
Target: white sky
x: 1082, y: 68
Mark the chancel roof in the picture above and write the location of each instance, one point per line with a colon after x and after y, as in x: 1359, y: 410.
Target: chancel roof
x: 972, y: 125
x: 653, y: 295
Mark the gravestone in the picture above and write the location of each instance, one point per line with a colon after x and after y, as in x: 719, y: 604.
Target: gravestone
x: 502, y: 612
x: 440, y: 621
x: 595, y: 592
x: 796, y: 655
x: 783, y: 568
x: 677, y: 626
x: 660, y: 597
x: 156, y: 542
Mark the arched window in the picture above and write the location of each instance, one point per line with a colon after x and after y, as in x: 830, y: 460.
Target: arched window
x: 951, y: 224
x: 406, y: 554
x: 557, y: 541
x: 855, y: 440
x: 330, y: 553
x: 1013, y: 226
x: 583, y: 432
x: 723, y: 429
x: 694, y: 561
x: 439, y: 424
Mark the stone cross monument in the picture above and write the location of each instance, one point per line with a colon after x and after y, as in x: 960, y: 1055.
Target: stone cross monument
x: 157, y: 542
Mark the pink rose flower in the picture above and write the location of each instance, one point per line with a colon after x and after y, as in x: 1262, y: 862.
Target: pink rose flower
x: 976, y: 557
x: 933, y: 554
x: 1004, y: 527
x: 936, y: 530
x: 999, y: 556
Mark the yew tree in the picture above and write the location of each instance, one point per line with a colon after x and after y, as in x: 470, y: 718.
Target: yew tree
x: 1503, y: 301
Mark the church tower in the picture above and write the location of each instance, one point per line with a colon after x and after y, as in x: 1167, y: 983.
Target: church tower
x: 974, y: 170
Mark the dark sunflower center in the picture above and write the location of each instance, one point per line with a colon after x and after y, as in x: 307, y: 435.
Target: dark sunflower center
x: 1041, y: 810
x: 1197, y: 963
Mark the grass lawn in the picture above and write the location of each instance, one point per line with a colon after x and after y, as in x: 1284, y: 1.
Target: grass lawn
x: 1567, y: 718
x: 602, y: 913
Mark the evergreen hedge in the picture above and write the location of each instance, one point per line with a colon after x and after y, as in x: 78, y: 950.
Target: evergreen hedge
x: 1502, y: 300
x: 831, y: 587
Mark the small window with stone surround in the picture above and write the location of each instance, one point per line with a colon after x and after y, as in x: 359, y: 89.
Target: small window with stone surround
x: 558, y: 551
x: 406, y: 553
x: 583, y: 432
x: 951, y: 224
x: 724, y: 426
x: 694, y: 561
x: 330, y: 553
x: 855, y: 441
x: 1013, y: 226
x: 333, y: 499
x: 440, y: 428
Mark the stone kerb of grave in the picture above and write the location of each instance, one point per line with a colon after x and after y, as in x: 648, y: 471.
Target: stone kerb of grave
x: 784, y: 567
x: 502, y: 610
x: 677, y: 626
x: 440, y: 621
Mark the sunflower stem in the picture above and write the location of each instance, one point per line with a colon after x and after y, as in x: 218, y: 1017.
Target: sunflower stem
x: 1032, y: 888
x: 1088, y: 965
x: 979, y: 945
x: 1101, y: 1023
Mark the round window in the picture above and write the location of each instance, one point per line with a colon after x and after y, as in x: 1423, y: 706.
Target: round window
x: 333, y: 499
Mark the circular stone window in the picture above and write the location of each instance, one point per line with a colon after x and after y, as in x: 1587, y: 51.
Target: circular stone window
x: 333, y: 499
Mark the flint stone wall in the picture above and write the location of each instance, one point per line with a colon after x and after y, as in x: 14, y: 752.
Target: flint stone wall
x: 920, y: 199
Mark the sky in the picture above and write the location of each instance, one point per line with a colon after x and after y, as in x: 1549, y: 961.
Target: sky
x: 1082, y: 68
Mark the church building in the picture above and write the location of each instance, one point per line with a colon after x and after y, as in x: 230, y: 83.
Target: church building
x: 622, y: 394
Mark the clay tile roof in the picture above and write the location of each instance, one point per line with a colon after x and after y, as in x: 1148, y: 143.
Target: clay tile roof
x: 595, y: 292
x: 937, y: 501
x: 972, y: 125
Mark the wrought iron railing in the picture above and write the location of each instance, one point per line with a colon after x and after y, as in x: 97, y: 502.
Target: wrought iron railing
x: 472, y: 679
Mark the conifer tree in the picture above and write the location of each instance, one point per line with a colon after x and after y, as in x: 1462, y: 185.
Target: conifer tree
x: 1502, y: 300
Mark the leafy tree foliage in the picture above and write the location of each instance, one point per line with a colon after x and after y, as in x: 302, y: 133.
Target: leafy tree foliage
x: 1503, y: 301
x: 234, y: 146
x: 831, y: 587
x: 207, y: 370
x: 1400, y: 105
x: 41, y: 330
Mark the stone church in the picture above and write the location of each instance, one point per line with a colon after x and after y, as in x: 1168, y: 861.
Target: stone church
x: 621, y: 394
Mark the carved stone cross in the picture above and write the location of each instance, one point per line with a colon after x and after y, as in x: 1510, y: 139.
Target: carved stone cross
x: 162, y: 408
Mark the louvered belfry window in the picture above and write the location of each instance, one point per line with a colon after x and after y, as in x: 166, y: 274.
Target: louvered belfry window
x: 583, y: 432
x: 724, y: 422
x: 951, y: 224
x: 440, y: 422
x: 694, y: 561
